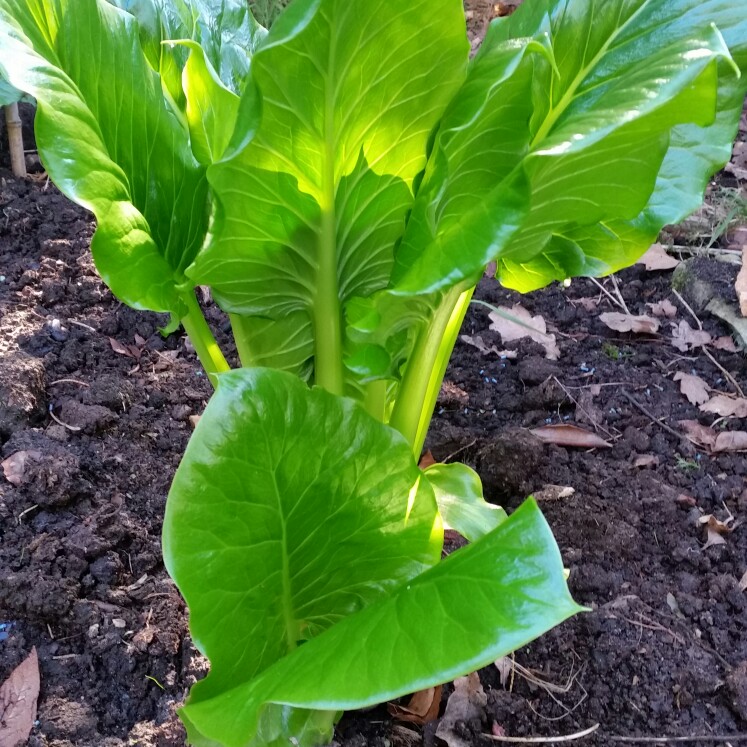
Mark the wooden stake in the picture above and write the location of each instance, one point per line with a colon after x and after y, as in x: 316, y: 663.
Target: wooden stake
x: 15, y: 140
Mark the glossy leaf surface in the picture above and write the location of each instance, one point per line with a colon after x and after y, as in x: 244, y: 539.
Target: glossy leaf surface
x: 110, y: 141
x: 291, y: 510
x: 482, y: 602
x: 458, y: 492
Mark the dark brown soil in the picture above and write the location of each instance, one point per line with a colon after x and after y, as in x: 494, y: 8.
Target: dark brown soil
x: 663, y: 650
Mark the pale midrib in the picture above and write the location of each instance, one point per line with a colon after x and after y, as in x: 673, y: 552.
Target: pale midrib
x: 557, y: 111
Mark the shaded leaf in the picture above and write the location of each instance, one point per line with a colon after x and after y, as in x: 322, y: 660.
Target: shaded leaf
x: 467, y: 702
x: 685, y: 338
x: 726, y: 406
x: 645, y: 325
x: 570, y: 435
x: 18, y: 697
x: 14, y: 467
x: 693, y: 387
x: 725, y: 343
x: 516, y: 323
x: 656, y: 258
x: 663, y: 308
x: 422, y: 707
x: 731, y: 441
x: 699, y: 434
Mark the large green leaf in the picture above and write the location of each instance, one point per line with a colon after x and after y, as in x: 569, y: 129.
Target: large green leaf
x: 632, y: 125
x: 109, y: 141
x: 482, y: 602
x: 310, y: 211
x: 291, y: 510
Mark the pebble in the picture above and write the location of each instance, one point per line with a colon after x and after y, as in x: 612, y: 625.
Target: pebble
x: 57, y: 331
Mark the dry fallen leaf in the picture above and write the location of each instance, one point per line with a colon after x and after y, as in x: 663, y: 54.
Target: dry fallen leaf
x: 485, y: 349
x: 700, y: 435
x: 522, y: 324
x: 715, y: 529
x: 725, y: 343
x: 656, y: 258
x: 741, y: 284
x: 18, y: 696
x: 194, y: 419
x: 421, y: 709
x: 646, y: 460
x: 686, y: 500
x: 726, y: 406
x: 587, y: 303
x: 14, y: 467
x: 552, y: 493
x: 121, y: 348
x: 685, y: 338
x: 468, y: 701
x: 427, y: 460
x: 645, y: 325
x: 693, y: 387
x: 731, y: 441
x: 743, y: 582
x: 570, y: 435
x: 663, y: 308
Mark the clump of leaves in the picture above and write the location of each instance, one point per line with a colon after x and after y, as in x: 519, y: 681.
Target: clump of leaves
x: 340, y: 182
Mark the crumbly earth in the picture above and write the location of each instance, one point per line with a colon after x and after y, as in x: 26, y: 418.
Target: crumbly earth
x: 101, y: 403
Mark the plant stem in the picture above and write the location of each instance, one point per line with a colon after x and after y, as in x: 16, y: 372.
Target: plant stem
x: 202, y: 338
x: 376, y: 399
x: 426, y: 368
x: 241, y: 338
x: 15, y: 140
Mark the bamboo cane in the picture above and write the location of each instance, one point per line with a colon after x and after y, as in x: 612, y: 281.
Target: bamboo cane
x: 15, y: 140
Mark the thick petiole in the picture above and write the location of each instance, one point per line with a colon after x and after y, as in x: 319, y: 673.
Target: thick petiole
x: 206, y: 347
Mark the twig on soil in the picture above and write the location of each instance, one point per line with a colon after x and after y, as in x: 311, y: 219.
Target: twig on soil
x: 544, y: 740
x: 615, y: 301
x: 27, y: 511
x: 707, y: 352
x: 597, y: 426
x: 460, y: 450
x: 666, y: 740
x: 73, y: 428
x: 633, y: 401
x: 80, y: 324
x: 69, y: 381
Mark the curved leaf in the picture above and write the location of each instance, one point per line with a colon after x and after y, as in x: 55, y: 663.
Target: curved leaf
x: 458, y: 492
x: 309, y: 212
x: 481, y: 603
x: 109, y: 141
x: 291, y: 510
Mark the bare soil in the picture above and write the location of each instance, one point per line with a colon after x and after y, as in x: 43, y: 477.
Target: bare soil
x: 101, y: 402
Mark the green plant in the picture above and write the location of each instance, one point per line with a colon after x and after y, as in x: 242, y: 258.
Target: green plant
x: 341, y: 183
x: 686, y: 465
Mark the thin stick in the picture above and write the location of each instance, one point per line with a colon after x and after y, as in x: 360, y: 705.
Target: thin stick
x: 69, y: 381
x: 15, y: 141
x: 665, y: 740
x: 544, y: 740
x: 613, y: 278
x: 633, y: 401
x: 615, y: 301
x: 73, y: 428
x: 80, y: 324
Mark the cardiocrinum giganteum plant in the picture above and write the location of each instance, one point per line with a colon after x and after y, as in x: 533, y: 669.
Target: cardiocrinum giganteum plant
x: 340, y: 183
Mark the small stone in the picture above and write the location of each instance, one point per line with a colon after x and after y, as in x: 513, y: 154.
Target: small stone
x: 57, y: 331
x: 118, y: 622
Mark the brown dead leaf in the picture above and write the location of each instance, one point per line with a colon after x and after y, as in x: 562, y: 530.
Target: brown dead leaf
x: 741, y: 284
x: 743, y: 582
x: 14, y: 467
x: 427, y: 460
x: 686, y: 500
x: 523, y: 324
x: 477, y: 341
x: 553, y: 493
x: 663, y: 308
x: 194, y: 419
x: 504, y: 665
x: 645, y: 325
x: 18, y: 697
x: 656, y: 258
x: 587, y: 303
x: 693, y: 387
x: 646, y: 460
x: 570, y: 435
x: 700, y: 435
x: 730, y: 441
x: 726, y: 406
x: 586, y: 411
x: 468, y: 701
x: 685, y: 338
x: 715, y: 529
x: 725, y: 343
x: 120, y: 348
x: 421, y: 709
